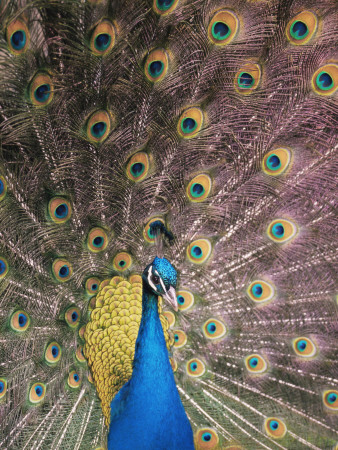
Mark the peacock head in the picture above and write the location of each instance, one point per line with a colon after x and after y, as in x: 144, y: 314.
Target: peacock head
x: 161, y: 278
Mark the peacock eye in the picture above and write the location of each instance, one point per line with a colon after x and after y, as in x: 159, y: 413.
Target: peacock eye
x: 302, y: 27
x: 330, y: 399
x: 138, y: 167
x: 103, y: 38
x: 164, y: 7
x: 62, y: 270
x: 3, y: 387
x: 41, y: 89
x: 223, y: 27
x: 325, y: 79
x: 18, y: 37
x: 37, y: 392
x: 99, y: 125
x: 247, y: 78
x: 53, y: 353
x: 281, y: 230
x: 155, y: 279
x: 207, y: 438
x: 122, y: 261
x: 92, y: 285
x: 59, y: 209
x: 190, y: 122
x: 74, y: 379
x: 3, y: 267
x: 156, y: 65
x: 20, y: 321
x: 3, y: 187
x: 97, y: 240
x: 275, y: 428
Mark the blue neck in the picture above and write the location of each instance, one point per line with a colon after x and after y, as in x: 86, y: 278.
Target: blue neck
x: 151, y: 354
x: 147, y: 413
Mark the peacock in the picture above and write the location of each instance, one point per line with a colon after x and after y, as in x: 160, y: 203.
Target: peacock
x: 167, y: 224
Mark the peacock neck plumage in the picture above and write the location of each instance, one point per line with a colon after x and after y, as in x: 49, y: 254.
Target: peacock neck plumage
x: 151, y: 355
x: 148, y: 413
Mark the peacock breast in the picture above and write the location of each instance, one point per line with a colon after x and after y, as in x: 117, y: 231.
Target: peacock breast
x: 111, y: 334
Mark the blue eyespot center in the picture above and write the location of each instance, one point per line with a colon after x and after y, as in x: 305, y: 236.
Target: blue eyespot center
x: 197, y: 190
x: 94, y: 287
x: 122, y: 263
x: 38, y: 390
x: 42, y: 93
x: 274, y: 425
x: 137, y: 169
x: 163, y: 5
x: 332, y: 398
x: 299, y: 30
x: 180, y: 300
x: 3, y: 266
x: 273, y: 162
x: 22, y: 319
x: 98, y: 241
x: 253, y: 362
x: 98, y: 129
x: 156, y: 68
x: 61, y: 211
x: 102, y: 41
x: 301, y: 345
x: 220, y: 31
x: 197, y: 251
x: 188, y: 125
x: 176, y: 337
x: 206, y: 437
x: 211, y: 327
x: 2, y: 386
x: 2, y: 187
x: 324, y: 81
x: 18, y: 39
x: 245, y: 80
x: 74, y: 316
x: 257, y: 290
x: 193, y: 366
x: 76, y: 377
x: 278, y: 230
x: 64, y: 271
x: 55, y: 351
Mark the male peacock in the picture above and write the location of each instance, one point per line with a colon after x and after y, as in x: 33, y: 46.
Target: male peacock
x: 214, y: 124
x: 150, y: 400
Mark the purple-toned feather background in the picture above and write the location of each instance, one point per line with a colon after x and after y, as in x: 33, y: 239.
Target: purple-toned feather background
x: 44, y: 152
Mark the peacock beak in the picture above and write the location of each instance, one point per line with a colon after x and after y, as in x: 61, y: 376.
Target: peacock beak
x: 170, y: 297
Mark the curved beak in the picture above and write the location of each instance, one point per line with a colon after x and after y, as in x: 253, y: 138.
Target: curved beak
x: 170, y: 297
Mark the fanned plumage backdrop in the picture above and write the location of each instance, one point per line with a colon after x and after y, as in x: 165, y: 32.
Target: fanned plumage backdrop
x: 218, y: 119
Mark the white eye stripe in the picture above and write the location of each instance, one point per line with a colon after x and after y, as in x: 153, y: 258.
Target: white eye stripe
x: 162, y: 284
x: 161, y: 281
x: 149, y: 279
